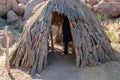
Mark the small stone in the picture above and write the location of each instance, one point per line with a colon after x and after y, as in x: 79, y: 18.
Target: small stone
x: 11, y: 16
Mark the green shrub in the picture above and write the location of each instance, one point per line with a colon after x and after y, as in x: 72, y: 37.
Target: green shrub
x: 101, y: 17
x: 18, y: 27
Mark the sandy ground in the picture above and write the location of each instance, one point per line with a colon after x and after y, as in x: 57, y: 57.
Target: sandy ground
x: 62, y: 67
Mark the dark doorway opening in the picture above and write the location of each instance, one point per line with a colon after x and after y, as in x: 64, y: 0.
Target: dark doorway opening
x: 62, y: 40
x: 66, y: 32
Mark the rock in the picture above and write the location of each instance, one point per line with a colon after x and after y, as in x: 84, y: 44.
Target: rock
x: 3, y: 39
x: 20, y: 21
x: 5, y: 6
x: 92, y: 2
x: 110, y: 9
x: 111, y: 0
x: 84, y: 1
x: 3, y: 22
x: 0, y: 20
x: 89, y: 6
x: 29, y: 7
x: 11, y: 16
x: 23, y: 1
x: 19, y: 8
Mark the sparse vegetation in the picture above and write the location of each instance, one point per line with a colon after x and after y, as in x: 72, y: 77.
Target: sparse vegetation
x: 1, y: 49
x: 101, y: 17
x: 18, y: 27
x: 112, y: 31
x: 113, y: 36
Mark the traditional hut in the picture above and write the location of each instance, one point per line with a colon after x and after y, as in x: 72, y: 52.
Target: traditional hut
x: 89, y: 40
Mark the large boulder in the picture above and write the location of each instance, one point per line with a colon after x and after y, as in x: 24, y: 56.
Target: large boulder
x: 3, y: 38
x: 23, y: 1
x: 19, y: 8
x: 5, y: 6
x: 29, y: 7
x: 110, y: 9
x: 11, y: 16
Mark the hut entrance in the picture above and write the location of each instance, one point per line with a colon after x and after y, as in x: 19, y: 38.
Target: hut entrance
x: 62, y: 37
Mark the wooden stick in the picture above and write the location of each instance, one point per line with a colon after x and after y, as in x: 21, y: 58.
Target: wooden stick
x: 7, y: 49
x: 51, y: 36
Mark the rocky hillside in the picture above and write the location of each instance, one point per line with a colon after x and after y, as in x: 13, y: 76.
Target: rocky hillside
x: 109, y: 8
x: 17, y: 10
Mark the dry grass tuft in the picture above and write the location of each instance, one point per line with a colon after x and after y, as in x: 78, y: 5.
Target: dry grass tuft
x: 1, y: 50
x: 112, y: 30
